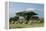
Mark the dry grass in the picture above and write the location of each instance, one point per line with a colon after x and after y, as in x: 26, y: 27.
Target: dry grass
x: 13, y: 26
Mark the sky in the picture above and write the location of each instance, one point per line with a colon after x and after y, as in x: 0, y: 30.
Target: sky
x: 14, y: 6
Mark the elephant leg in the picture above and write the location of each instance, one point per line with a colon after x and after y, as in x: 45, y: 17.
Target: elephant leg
x: 26, y: 22
x: 10, y: 21
x: 21, y: 21
x: 13, y: 22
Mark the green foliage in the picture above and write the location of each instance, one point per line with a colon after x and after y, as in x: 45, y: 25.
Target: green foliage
x: 10, y: 19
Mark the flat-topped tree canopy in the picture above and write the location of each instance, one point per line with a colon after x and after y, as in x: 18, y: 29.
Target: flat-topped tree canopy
x: 26, y: 12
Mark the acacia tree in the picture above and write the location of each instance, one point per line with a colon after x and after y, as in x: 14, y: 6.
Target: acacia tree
x: 27, y: 15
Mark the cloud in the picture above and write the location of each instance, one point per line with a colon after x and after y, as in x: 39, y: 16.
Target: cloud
x: 26, y: 10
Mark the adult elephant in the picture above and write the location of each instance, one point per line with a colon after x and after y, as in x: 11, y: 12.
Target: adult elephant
x: 10, y: 19
x: 14, y: 19
x: 21, y: 19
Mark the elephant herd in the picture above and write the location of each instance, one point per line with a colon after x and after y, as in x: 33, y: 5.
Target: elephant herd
x: 22, y: 20
x: 18, y: 20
